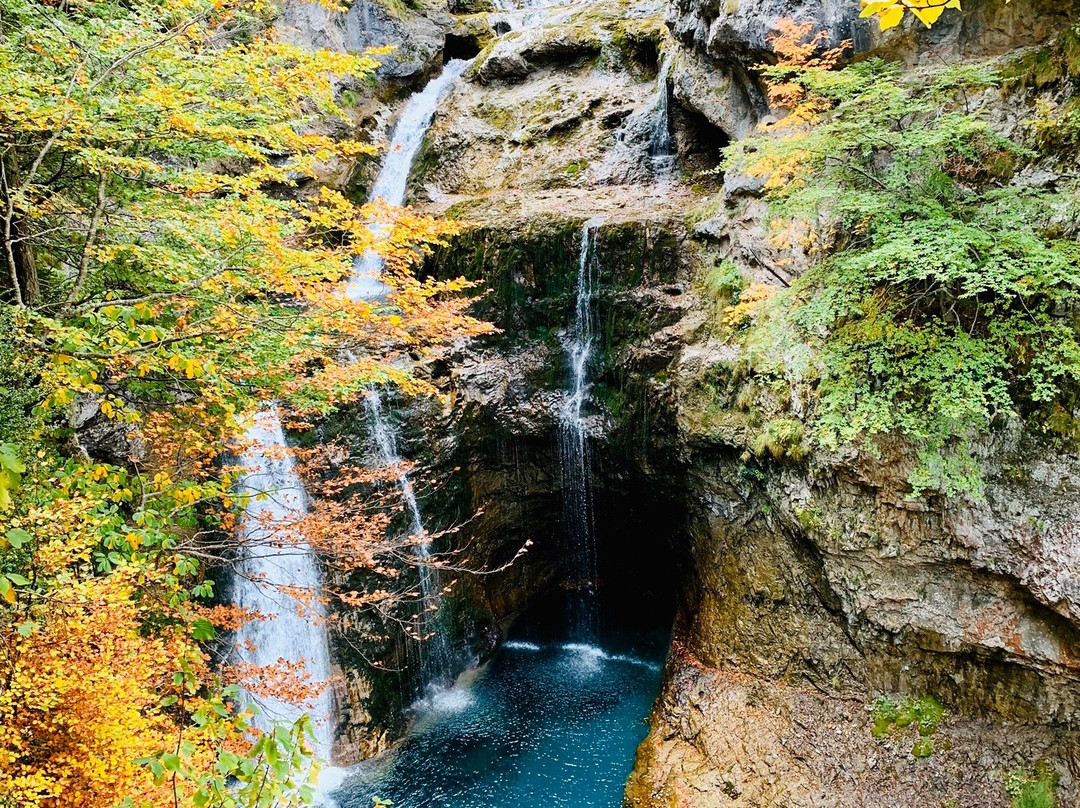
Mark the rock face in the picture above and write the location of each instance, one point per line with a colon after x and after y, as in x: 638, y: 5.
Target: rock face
x: 508, y: 394
x: 417, y: 37
x: 807, y: 585
x: 729, y: 740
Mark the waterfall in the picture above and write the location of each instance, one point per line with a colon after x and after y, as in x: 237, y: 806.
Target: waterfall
x: 275, y: 567
x: 278, y: 575
x: 661, y: 143
x: 436, y: 661
x: 573, y: 432
x: 365, y: 284
x: 390, y: 184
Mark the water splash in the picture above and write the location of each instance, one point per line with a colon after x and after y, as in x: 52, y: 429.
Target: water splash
x: 573, y: 435
x: 275, y: 565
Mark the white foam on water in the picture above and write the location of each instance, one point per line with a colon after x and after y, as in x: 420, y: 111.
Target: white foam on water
x: 520, y: 645
x: 330, y: 779
x: 590, y: 656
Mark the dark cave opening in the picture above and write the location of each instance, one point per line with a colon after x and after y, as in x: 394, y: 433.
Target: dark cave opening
x: 699, y: 141
x: 460, y: 46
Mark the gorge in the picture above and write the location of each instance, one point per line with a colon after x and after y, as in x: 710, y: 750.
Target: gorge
x: 611, y: 428
x: 506, y: 403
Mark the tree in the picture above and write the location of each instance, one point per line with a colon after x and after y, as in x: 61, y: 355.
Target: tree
x: 170, y: 261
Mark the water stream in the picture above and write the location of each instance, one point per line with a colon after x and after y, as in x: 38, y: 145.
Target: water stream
x: 578, y: 513
x: 661, y: 143
x: 434, y: 651
x: 366, y: 284
x: 278, y: 577
x: 392, y: 181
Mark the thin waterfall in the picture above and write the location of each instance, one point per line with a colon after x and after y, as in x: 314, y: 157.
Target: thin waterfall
x: 661, y: 143
x: 573, y: 433
x: 366, y: 284
x: 435, y: 653
x: 279, y: 578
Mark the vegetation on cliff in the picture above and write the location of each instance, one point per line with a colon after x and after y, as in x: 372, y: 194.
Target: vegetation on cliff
x: 168, y: 264
x: 943, y: 293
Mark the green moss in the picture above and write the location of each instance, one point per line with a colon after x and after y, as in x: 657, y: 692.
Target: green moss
x: 575, y: 167
x: 924, y: 714
x: 1042, y: 67
x: 723, y: 283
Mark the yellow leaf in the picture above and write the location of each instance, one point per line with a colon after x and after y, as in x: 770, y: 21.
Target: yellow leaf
x: 891, y: 17
x: 872, y: 7
x: 929, y: 15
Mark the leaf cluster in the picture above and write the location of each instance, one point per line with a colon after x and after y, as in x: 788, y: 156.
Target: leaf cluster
x: 943, y: 297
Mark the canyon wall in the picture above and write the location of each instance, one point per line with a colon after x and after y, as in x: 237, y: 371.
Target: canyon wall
x: 808, y: 582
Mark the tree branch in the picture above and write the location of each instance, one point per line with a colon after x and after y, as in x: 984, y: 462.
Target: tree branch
x: 88, y: 245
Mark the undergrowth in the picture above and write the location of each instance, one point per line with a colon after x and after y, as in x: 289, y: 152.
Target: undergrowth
x: 1034, y: 788
x: 942, y: 296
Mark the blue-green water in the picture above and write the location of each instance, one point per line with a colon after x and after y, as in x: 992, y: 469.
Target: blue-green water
x: 546, y: 723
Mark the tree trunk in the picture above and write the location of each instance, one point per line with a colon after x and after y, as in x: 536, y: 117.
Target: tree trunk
x: 25, y: 266
x: 21, y: 277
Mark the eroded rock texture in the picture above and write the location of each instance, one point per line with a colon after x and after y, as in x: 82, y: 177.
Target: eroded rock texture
x: 808, y: 584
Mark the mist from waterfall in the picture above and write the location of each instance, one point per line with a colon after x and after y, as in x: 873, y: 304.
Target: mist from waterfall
x: 573, y: 435
x: 276, y: 566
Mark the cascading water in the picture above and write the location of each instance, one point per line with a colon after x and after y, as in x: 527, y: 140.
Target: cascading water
x: 393, y: 177
x: 573, y: 434
x: 365, y: 284
x: 275, y: 566
x: 435, y: 652
x: 661, y: 143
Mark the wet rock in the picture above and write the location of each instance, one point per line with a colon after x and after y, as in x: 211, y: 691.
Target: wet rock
x: 725, y: 94
x: 417, y: 36
x: 471, y: 6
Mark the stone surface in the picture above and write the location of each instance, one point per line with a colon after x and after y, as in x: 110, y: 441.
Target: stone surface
x: 721, y: 739
x: 417, y: 37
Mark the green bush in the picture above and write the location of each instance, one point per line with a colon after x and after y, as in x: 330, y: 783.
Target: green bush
x: 1033, y: 789
x: 941, y: 299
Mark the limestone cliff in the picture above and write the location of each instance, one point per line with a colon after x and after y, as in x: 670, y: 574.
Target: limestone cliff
x: 810, y: 582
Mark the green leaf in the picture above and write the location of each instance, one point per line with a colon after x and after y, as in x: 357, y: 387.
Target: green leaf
x: 17, y: 537
x: 202, y: 629
x: 17, y: 579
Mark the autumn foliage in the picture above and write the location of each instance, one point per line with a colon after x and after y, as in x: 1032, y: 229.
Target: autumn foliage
x: 169, y: 262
